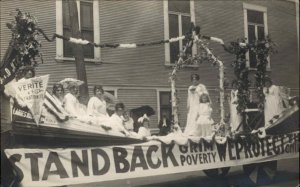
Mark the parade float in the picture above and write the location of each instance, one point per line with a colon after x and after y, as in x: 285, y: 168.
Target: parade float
x: 46, y: 147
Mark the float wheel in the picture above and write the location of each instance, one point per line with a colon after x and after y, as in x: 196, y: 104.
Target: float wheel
x: 261, y: 173
x: 219, y: 172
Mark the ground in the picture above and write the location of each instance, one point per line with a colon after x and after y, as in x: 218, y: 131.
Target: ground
x: 287, y: 176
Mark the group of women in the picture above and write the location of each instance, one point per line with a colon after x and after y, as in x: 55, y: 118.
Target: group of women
x: 199, y: 121
x: 96, y: 110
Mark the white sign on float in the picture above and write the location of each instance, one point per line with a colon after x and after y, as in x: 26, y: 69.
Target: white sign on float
x: 56, y: 167
x: 31, y: 92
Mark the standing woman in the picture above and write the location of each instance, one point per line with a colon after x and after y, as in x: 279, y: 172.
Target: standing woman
x: 194, y: 93
x: 273, y: 105
x: 97, y: 105
x: 235, y: 117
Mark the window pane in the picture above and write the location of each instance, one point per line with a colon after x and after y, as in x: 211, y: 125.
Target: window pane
x: 251, y: 39
x: 173, y: 25
x: 173, y: 32
x: 186, y: 24
x: 88, y: 50
x: 174, y: 52
x: 165, y: 104
x: 260, y: 33
x: 165, y: 98
x: 252, y: 59
x: 255, y: 16
x: 112, y: 92
x: 66, y: 15
x: 251, y: 33
x: 167, y: 112
x: 86, y: 15
x: 182, y: 6
x: 67, y: 45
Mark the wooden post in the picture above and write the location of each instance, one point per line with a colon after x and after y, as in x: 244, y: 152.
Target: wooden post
x: 78, y: 51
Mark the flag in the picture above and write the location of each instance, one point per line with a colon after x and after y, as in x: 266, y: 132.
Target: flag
x: 55, y: 107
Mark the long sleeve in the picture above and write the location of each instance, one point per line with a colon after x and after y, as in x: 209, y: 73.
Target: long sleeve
x: 90, y: 106
x: 70, y: 104
x: 201, y: 89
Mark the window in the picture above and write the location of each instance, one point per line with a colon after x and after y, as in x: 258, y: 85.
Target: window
x: 255, y: 18
x: 178, y: 18
x: 165, y: 106
x: 112, y: 92
x: 88, y: 17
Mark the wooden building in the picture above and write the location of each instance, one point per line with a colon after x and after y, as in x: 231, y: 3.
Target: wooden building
x: 139, y: 76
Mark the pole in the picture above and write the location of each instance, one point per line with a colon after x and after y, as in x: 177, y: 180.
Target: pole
x: 174, y: 95
x: 78, y: 51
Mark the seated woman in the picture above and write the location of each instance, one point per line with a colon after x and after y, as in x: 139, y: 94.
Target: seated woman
x: 128, y: 121
x: 144, y: 130
x: 58, y: 93
x: 117, y: 119
x: 97, y: 104
x: 71, y: 103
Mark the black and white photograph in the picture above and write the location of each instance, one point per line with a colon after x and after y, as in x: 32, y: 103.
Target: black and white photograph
x: 149, y: 93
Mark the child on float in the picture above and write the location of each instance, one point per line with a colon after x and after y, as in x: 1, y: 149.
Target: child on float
x: 204, y: 121
x: 144, y: 130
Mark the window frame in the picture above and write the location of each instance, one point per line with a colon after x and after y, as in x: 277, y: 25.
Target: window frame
x: 108, y: 89
x: 167, y: 33
x: 60, y: 27
x: 257, y: 8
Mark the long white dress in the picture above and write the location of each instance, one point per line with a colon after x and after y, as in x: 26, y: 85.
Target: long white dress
x: 96, y: 109
x: 204, y: 121
x: 273, y: 106
x: 117, y: 123
x: 193, y: 105
x: 72, y: 105
x: 235, y: 117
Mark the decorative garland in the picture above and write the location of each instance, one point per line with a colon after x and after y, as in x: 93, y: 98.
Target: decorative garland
x: 262, y: 49
x: 241, y: 73
x: 25, y: 38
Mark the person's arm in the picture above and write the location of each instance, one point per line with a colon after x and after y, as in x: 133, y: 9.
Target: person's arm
x: 70, y: 104
x: 90, y: 107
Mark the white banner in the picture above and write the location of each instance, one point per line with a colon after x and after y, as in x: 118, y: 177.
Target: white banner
x: 31, y: 92
x: 55, y: 167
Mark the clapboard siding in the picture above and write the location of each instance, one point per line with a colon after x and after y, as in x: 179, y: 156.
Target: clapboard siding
x: 131, y: 22
x: 143, y: 21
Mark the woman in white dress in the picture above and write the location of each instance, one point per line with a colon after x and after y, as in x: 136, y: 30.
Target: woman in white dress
x: 97, y: 107
x: 58, y: 93
x: 71, y: 103
x: 194, y: 93
x: 204, y: 121
x: 273, y: 106
x: 117, y: 119
x: 97, y: 104
x: 235, y: 117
